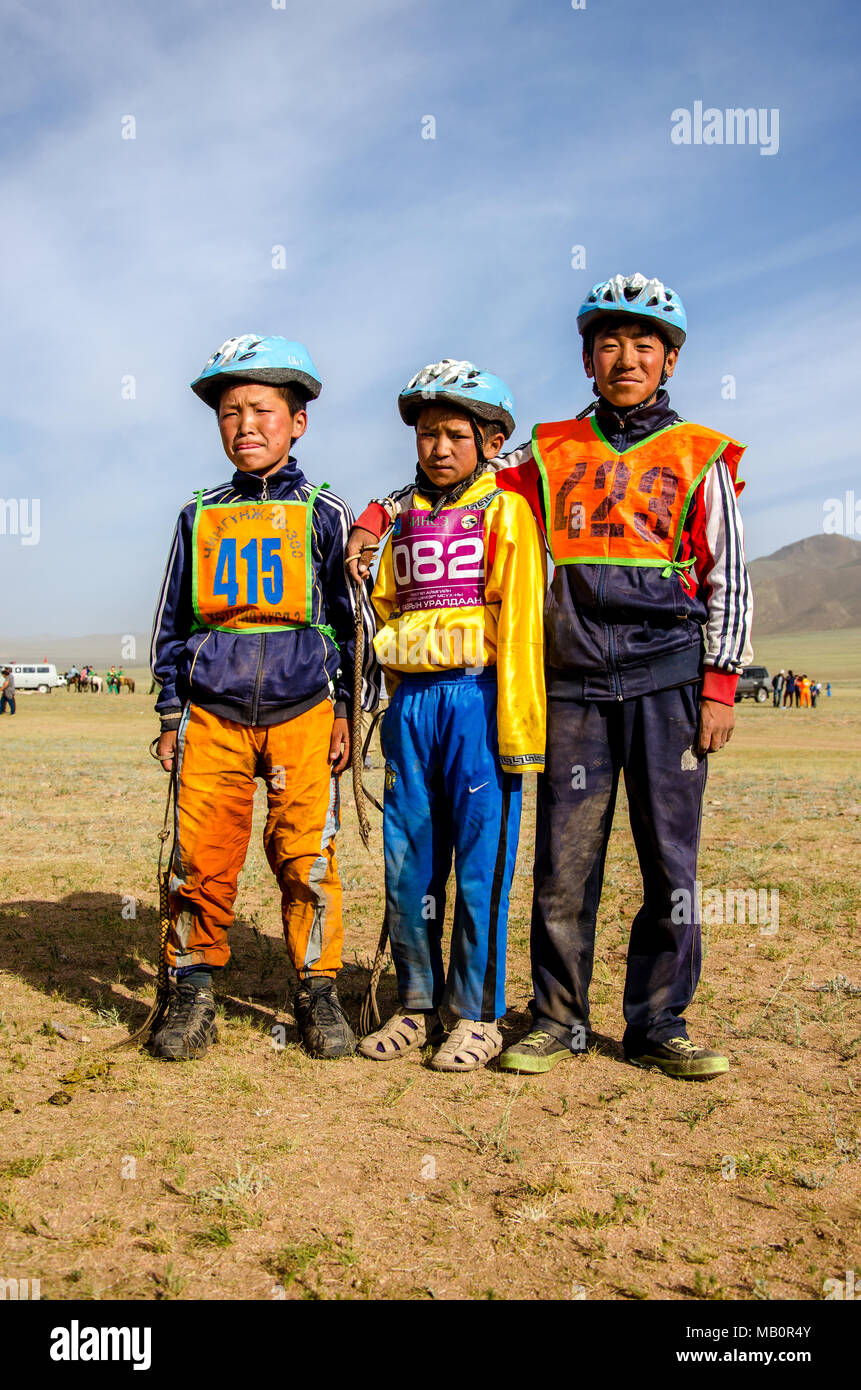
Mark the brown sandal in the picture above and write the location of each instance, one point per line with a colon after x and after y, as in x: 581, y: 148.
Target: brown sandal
x: 401, y: 1034
x: 469, y: 1045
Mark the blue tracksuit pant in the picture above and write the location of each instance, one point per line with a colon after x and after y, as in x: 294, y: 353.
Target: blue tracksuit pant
x: 445, y: 794
x: 589, y: 742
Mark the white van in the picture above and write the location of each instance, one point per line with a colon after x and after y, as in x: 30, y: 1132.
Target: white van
x: 41, y: 678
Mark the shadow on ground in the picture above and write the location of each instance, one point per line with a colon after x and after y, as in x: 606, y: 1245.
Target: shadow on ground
x: 83, y: 950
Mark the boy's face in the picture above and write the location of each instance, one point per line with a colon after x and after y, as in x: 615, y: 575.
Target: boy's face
x: 257, y: 427
x: 627, y: 362
x: 446, y: 444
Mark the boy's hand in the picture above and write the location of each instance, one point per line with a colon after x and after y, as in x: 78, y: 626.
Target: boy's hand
x: 339, y: 746
x: 361, y: 548
x: 717, y: 722
x: 166, y: 749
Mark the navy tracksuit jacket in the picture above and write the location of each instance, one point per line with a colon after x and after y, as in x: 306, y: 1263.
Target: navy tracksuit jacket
x: 623, y: 687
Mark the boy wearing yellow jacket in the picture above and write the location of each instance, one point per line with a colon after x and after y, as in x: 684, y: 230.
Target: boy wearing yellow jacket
x: 459, y: 596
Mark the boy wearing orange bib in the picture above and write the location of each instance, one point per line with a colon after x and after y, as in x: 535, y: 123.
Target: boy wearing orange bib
x: 647, y: 628
x: 253, y: 649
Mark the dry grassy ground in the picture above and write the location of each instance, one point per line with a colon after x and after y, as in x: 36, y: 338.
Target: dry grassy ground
x: 258, y: 1173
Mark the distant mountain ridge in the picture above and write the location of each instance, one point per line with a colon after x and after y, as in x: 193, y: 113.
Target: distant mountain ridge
x: 811, y: 585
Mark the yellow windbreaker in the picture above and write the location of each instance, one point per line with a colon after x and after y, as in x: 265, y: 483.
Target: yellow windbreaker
x: 507, y: 631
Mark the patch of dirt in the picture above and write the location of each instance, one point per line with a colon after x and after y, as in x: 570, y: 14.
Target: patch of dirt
x: 259, y: 1173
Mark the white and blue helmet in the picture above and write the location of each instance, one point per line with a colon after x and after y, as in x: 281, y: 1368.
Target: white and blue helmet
x: 639, y: 297
x: 271, y: 361
x: 462, y: 383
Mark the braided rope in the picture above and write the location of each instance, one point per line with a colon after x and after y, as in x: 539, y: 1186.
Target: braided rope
x: 162, y: 992
x: 356, y: 755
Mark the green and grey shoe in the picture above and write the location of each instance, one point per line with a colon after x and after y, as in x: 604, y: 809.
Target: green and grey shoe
x: 681, y: 1058
x: 537, y: 1052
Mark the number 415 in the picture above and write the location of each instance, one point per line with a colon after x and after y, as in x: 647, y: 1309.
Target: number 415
x: 266, y: 567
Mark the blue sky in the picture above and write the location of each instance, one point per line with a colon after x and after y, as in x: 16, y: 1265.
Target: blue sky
x: 301, y: 127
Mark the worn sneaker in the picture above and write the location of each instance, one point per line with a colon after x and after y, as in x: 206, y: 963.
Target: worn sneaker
x: 322, y: 1022
x: 681, y: 1058
x: 189, y: 1027
x: 537, y: 1052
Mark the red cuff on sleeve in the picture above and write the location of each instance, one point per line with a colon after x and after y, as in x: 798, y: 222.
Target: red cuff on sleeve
x: 719, y: 685
x: 374, y: 518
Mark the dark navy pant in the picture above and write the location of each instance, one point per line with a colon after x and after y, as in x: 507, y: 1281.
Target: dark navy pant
x: 649, y: 739
x: 445, y: 795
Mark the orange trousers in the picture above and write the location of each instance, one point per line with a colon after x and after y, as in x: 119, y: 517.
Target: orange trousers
x: 217, y: 762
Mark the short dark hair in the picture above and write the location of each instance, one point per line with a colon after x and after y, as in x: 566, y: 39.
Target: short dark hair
x: 611, y: 321
x: 295, y: 398
x: 293, y: 395
x: 490, y: 428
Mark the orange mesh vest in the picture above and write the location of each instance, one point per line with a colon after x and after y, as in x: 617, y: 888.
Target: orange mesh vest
x: 605, y: 508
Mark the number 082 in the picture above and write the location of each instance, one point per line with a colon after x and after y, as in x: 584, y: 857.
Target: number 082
x: 424, y: 562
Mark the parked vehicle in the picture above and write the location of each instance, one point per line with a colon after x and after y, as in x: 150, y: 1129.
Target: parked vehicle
x: 41, y: 678
x: 754, y: 683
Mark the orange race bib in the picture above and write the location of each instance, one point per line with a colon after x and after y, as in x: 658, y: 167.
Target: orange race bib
x: 251, y: 565
x: 606, y: 508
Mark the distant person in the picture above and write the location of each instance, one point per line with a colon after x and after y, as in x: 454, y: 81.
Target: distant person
x: 777, y: 683
x: 788, y: 689
x: 7, y: 691
x: 828, y: 690
x: 815, y: 688
x: 802, y: 692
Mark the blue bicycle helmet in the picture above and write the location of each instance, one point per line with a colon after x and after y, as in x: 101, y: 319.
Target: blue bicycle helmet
x: 272, y: 361
x: 463, y: 384
x: 639, y: 297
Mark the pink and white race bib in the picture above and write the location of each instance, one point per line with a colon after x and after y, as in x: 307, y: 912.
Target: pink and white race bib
x: 439, y: 563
